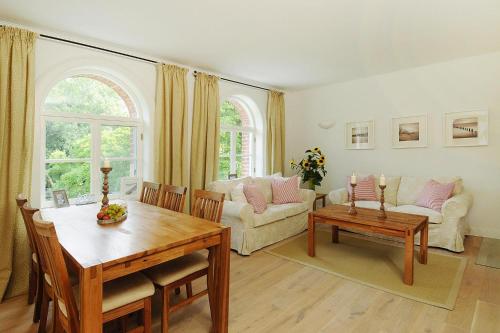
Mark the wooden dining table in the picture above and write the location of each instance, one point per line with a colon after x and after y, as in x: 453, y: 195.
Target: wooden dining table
x: 149, y: 236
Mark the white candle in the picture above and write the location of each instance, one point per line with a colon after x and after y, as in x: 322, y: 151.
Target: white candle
x: 382, y: 180
x: 106, y: 164
x: 353, y: 178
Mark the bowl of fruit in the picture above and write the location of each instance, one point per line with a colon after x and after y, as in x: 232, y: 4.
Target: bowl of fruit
x: 111, y: 214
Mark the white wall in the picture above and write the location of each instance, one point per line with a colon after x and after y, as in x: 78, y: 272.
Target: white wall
x: 459, y: 85
x: 54, y: 59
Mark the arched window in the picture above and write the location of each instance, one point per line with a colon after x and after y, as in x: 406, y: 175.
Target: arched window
x: 237, y: 140
x: 88, y: 118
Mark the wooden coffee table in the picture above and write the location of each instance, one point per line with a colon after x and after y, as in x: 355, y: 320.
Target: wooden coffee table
x: 400, y: 225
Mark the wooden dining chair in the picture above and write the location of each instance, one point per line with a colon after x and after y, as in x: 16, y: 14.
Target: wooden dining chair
x: 172, y: 197
x: 182, y: 271
x: 121, y: 297
x: 150, y: 193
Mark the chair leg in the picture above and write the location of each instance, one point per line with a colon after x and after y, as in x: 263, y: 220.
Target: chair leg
x: 123, y: 323
x: 33, y: 283
x: 39, y: 297
x: 44, y: 312
x: 189, y: 289
x: 146, y: 315
x: 164, y: 310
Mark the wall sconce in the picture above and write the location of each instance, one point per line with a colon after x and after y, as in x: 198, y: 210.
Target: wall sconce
x: 326, y: 124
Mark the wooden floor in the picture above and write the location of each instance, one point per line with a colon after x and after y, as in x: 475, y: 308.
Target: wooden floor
x: 270, y: 294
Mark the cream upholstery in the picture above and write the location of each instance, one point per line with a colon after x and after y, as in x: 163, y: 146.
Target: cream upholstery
x: 119, y: 292
x: 34, y: 258
x: 177, y: 269
x: 446, y: 228
x: 250, y: 231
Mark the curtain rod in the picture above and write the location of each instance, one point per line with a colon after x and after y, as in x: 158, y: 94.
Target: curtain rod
x: 135, y: 57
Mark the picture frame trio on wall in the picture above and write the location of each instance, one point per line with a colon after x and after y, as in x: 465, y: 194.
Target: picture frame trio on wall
x: 460, y: 129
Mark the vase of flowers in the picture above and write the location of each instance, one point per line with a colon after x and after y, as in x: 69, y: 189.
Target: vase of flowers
x: 311, y: 168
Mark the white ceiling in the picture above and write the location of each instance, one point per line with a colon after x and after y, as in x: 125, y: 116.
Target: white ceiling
x: 283, y: 43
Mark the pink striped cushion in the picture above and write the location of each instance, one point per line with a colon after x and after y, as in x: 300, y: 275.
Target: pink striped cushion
x: 435, y: 194
x: 255, y: 198
x: 285, y: 190
x: 365, y: 188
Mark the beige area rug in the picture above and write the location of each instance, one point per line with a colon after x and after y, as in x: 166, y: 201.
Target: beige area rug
x: 486, y: 319
x: 380, y: 266
x: 489, y: 253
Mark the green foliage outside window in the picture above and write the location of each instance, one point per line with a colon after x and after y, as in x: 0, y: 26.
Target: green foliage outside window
x: 229, y: 116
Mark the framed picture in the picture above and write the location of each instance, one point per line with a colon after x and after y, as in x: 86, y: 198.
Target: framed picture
x: 360, y: 135
x: 129, y: 188
x: 60, y: 198
x: 466, y: 128
x: 409, y: 132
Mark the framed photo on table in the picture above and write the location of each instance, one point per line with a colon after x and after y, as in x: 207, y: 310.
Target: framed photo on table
x: 129, y: 188
x: 468, y: 128
x: 360, y: 135
x: 60, y: 198
x: 409, y: 132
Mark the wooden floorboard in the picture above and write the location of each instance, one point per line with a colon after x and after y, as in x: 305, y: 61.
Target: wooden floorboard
x: 271, y: 294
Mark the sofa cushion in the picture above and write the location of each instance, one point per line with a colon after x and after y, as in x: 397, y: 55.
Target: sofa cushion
x: 255, y: 198
x: 278, y: 212
x: 286, y: 190
x: 264, y: 184
x: 434, y: 195
x: 237, y: 194
x: 434, y: 217
x: 411, y: 187
x: 226, y: 186
x: 391, y: 189
x: 369, y: 204
x: 365, y: 189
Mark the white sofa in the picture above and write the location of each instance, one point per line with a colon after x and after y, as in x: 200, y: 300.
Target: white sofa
x: 251, y: 231
x: 446, y: 229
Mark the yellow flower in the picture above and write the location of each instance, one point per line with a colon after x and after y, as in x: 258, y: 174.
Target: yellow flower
x: 321, y: 160
x: 292, y: 162
x: 306, y: 164
x: 316, y: 149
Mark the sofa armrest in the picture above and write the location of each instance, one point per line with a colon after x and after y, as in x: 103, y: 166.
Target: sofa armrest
x: 308, y: 196
x: 242, y: 211
x: 339, y: 196
x: 457, y: 206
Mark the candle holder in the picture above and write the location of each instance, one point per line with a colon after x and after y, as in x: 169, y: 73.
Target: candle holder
x: 105, y: 186
x: 352, y: 209
x: 381, y: 213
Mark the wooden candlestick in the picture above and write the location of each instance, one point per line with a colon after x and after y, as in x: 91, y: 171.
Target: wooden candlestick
x: 105, y: 186
x: 352, y: 209
x: 381, y: 213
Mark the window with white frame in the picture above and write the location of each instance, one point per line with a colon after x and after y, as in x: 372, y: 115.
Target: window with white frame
x: 88, y: 118
x: 237, y: 140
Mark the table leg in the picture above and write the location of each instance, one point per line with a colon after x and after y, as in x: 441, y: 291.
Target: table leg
x: 91, y: 299
x: 324, y: 201
x: 424, y: 243
x: 222, y: 283
x: 310, y: 235
x: 409, y: 253
x: 314, y: 204
x: 335, y: 234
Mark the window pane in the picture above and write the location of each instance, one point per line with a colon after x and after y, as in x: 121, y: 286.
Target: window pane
x: 243, y: 166
x: 242, y: 143
x: 72, y: 177
x: 118, y: 141
x: 67, y: 140
x: 88, y: 95
x: 120, y: 169
x: 225, y: 143
x: 229, y: 115
x: 224, y: 167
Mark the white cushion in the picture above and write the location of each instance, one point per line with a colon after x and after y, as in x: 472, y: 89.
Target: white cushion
x: 226, y: 186
x: 369, y: 204
x: 434, y: 217
x: 34, y: 258
x: 279, y: 212
x: 411, y: 187
x: 119, y: 292
x: 177, y: 269
x: 237, y: 194
x: 391, y: 189
x: 264, y: 184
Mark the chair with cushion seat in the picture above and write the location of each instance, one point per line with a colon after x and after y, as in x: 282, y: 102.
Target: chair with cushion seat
x: 172, y: 197
x: 150, y: 193
x: 182, y: 271
x: 121, y: 297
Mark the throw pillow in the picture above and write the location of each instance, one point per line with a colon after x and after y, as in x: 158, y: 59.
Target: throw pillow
x: 434, y: 195
x: 365, y: 188
x: 286, y: 190
x: 255, y: 198
x: 237, y: 194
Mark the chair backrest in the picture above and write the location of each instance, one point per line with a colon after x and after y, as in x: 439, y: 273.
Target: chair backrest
x: 30, y: 229
x: 150, y: 193
x: 52, y: 254
x: 172, y: 197
x: 208, y: 205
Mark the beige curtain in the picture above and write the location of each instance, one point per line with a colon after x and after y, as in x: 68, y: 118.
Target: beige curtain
x: 275, y: 132
x: 171, y: 125
x: 205, y: 137
x: 16, y: 140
